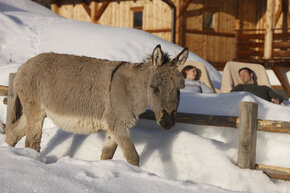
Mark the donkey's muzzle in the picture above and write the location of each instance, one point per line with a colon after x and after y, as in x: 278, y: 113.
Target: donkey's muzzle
x: 167, y: 120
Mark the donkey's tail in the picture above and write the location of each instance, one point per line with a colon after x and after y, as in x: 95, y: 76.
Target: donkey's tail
x: 16, y: 109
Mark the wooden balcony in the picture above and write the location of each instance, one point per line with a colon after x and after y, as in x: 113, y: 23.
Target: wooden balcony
x: 250, y: 46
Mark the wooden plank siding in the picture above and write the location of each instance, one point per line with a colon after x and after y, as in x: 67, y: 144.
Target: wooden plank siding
x: 216, y: 45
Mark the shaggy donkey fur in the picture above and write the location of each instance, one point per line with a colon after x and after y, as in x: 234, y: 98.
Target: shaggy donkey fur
x: 83, y: 95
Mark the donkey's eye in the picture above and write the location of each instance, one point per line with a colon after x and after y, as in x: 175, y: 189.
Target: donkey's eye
x: 155, y: 89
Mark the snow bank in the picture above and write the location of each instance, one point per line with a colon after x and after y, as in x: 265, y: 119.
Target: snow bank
x: 187, y: 158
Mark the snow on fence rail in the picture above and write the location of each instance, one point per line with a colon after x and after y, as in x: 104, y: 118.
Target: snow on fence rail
x: 247, y: 123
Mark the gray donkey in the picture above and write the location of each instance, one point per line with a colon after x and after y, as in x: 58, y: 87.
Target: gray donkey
x: 83, y: 95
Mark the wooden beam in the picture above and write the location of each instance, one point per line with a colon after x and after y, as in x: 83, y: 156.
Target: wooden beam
x: 157, y: 30
x: 281, y: 78
x: 213, y: 33
x: 237, y: 17
x: 250, y: 44
x: 285, y: 45
x: 183, y: 7
x: 247, y: 53
x: 88, y: 10
x: 247, y: 135
x: 278, y: 36
x: 279, y: 12
x: 286, y: 15
x: 274, y: 171
x: 281, y: 53
x: 101, y: 10
x: 3, y: 90
x: 250, y: 36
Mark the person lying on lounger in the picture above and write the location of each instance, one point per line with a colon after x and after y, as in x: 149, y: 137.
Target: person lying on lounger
x: 249, y: 85
x: 191, y: 81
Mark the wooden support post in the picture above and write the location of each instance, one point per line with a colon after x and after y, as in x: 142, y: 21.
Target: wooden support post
x: 270, y: 23
x: 247, y: 135
x: 10, y: 97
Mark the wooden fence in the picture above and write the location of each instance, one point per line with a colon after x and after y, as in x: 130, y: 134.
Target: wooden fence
x: 247, y: 123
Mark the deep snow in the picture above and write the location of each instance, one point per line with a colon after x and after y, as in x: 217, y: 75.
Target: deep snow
x: 187, y: 158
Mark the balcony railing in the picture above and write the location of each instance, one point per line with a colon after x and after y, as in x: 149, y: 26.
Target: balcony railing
x: 250, y: 45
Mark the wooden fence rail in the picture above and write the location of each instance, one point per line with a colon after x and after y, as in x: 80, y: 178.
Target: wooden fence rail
x: 248, y: 125
x: 3, y: 90
x: 223, y: 121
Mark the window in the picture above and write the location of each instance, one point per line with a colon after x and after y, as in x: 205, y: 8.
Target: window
x: 137, y: 17
x: 208, y: 20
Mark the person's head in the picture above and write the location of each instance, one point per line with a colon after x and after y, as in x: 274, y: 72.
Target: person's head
x: 190, y: 72
x: 246, y: 75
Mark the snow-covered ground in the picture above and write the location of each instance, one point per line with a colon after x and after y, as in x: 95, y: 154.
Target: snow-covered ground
x: 187, y: 158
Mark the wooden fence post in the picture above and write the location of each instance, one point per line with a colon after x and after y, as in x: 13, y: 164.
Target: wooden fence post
x: 10, y: 97
x: 247, y: 135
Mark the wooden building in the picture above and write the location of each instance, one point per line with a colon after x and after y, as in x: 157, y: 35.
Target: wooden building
x: 206, y: 27
x: 217, y: 30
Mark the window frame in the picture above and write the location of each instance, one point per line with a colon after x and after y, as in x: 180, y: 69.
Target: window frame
x: 136, y: 10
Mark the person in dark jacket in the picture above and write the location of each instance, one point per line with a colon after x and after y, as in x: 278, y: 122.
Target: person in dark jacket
x: 249, y: 85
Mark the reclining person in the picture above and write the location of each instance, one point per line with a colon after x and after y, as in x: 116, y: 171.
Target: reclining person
x: 249, y: 85
x: 191, y: 81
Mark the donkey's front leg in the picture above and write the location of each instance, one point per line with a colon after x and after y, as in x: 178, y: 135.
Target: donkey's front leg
x: 121, y: 135
x: 109, y: 147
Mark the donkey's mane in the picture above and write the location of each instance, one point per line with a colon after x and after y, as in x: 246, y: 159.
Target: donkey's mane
x: 165, y: 59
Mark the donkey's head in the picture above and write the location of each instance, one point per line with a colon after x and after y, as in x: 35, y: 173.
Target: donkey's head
x: 164, y: 85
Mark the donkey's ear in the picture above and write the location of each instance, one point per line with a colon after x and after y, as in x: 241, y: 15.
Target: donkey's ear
x: 180, y: 59
x: 157, y: 56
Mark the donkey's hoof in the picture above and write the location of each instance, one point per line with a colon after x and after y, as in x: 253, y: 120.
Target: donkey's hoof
x: 106, y: 156
x: 134, y: 162
x: 35, y: 146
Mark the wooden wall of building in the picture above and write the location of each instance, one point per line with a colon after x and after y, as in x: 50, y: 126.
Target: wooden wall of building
x: 156, y: 14
x: 216, y: 44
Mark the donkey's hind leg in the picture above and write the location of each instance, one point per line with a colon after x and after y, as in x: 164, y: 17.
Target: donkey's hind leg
x: 109, y: 147
x: 15, y: 131
x: 34, y: 129
x: 122, y: 137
